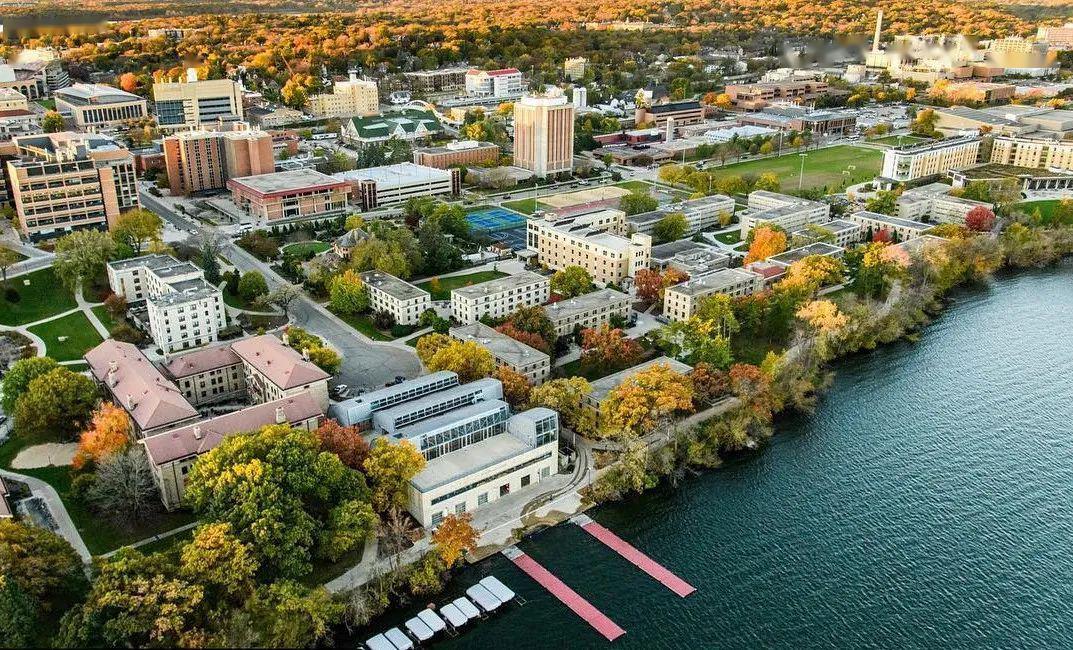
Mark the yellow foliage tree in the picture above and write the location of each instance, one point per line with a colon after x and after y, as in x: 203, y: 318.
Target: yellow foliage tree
x: 389, y: 468
x: 767, y: 241
x: 823, y: 316
x: 454, y: 537
x: 108, y: 433
x: 429, y: 344
x: 467, y: 358
x: 639, y: 403
x: 816, y: 271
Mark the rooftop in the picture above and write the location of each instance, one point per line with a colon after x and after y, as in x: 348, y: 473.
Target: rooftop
x: 936, y: 145
x: 835, y: 226
x: 394, y: 287
x: 135, y: 383
x: 288, y: 182
x: 796, y: 254
x: 499, y: 285
x: 202, y: 360
x: 82, y: 94
x: 501, y: 346
x: 449, y: 419
x: 601, y: 387
x: 894, y: 221
x: 713, y: 282
x: 662, y: 253
x: 585, y: 302
x: 283, y: 365
x: 464, y: 462
x: 397, y: 175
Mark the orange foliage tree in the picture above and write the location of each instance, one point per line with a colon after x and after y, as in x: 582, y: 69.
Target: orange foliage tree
x: 767, y: 241
x: 345, y: 442
x: 609, y: 348
x: 454, y: 537
x: 108, y: 433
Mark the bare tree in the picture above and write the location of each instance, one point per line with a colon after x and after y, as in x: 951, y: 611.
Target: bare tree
x: 124, y: 487
x: 283, y: 297
x: 397, y: 533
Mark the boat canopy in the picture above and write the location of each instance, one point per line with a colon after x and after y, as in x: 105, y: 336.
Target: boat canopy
x: 418, y: 628
x: 485, y: 599
x: 498, y: 589
x: 379, y: 642
x: 432, y: 620
x: 453, y: 615
x: 399, y: 639
x: 468, y: 609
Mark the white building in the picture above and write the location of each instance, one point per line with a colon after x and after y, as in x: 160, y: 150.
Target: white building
x: 500, y: 297
x: 930, y: 159
x: 506, y: 83
x: 588, y: 310
x: 96, y: 106
x: 193, y: 103
x: 933, y: 202
x: 700, y: 214
x: 845, y: 233
x: 896, y: 227
x: 391, y: 184
x: 590, y: 241
x: 783, y: 210
x: 401, y: 299
x: 184, y: 311
x: 680, y: 301
x: 531, y: 363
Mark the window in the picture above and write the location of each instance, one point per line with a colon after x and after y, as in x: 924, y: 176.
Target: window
x: 460, y: 507
x: 437, y: 518
x: 482, y: 498
x: 525, y: 480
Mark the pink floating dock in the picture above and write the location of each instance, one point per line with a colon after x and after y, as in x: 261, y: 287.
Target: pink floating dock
x: 642, y: 561
x: 583, y: 608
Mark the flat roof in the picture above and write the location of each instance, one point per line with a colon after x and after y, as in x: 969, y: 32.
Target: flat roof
x: 713, y: 282
x: 834, y: 225
x: 499, y: 285
x: 389, y: 284
x: 925, y: 147
x: 457, y: 464
x: 500, y: 345
x: 288, y: 182
x: 400, y: 174
x: 795, y: 254
x: 601, y: 387
x: 894, y: 221
x: 586, y: 301
x: 664, y: 252
x: 449, y: 418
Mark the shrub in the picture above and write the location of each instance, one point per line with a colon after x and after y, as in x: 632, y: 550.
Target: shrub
x: 383, y: 320
x: 12, y: 295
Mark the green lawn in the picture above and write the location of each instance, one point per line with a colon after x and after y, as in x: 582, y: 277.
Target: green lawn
x: 102, y: 315
x: 301, y: 249
x: 525, y: 206
x: 823, y: 167
x: 1046, y: 209
x: 50, y: 104
x: 80, y: 333
x: 238, y: 301
x: 45, y: 296
x: 635, y: 186
x: 732, y: 237
x: 363, y: 324
x: 454, y: 282
x: 893, y: 140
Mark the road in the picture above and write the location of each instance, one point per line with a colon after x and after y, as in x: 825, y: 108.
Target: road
x: 365, y: 363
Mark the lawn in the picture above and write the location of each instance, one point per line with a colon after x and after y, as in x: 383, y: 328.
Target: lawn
x: 45, y: 296
x: 364, y: 324
x: 50, y: 104
x: 732, y: 237
x: 102, y: 315
x: 456, y: 281
x: 893, y: 140
x: 525, y: 206
x: 823, y: 167
x: 80, y: 333
x: 635, y: 186
x: 1046, y: 209
x: 239, y: 302
x: 302, y: 249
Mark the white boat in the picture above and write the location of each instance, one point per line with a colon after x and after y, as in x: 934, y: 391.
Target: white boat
x: 454, y: 615
x: 485, y: 599
x: 432, y: 620
x: 498, y: 589
x: 379, y: 642
x: 418, y: 629
x: 399, y: 639
x: 468, y: 609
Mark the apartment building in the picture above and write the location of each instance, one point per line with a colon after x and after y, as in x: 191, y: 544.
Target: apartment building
x: 193, y: 104
x: 506, y: 83
x: 352, y: 98
x: 845, y: 233
x: 398, y: 297
x: 1034, y: 153
x: 527, y: 361
x: 822, y: 249
x: 1058, y: 37
x: 896, y: 227
x: 680, y: 302
x: 183, y: 310
x: 12, y: 100
x: 60, y: 182
x: 92, y: 107
x: 273, y: 117
x: 930, y: 159
x: 136, y: 385
x: 437, y: 81
x: 756, y: 96
x: 574, y: 68
x: 934, y: 203
x: 274, y: 371
x: 208, y: 376
x: 783, y: 210
x: 700, y: 214
x: 288, y: 195
x: 544, y: 134
x: 588, y: 240
x: 373, y: 187
x: 588, y: 311
x: 500, y: 297
x: 675, y: 113
x: 453, y: 154
x: 203, y: 161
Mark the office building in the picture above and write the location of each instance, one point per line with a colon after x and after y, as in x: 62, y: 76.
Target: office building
x: 288, y: 195
x: 689, y: 257
x: 373, y: 187
x: 398, y: 297
x: 544, y: 134
x: 409, y: 125
x: 676, y: 113
x: 203, y: 161
x: 845, y: 233
x: 896, y: 227
x: 60, y: 182
x: 464, y: 152
x: 183, y: 310
x: 680, y: 302
x: 500, y: 297
x: 1057, y: 37
x: 574, y: 68
x: 274, y: 117
x: 700, y: 214
x: 588, y: 240
x: 193, y: 104
x: 352, y: 98
x: 437, y: 81
x: 527, y: 361
x: 782, y: 210
x: 209, y: 375
x: 274, y: 371
x: 587, y: 311
x: 1033, y: 152
x: 929, y: 159
x: 92, y: 107
x: 506, y: 83
x: 801, y: 119
x: 359, y: 411
x: 757, y: 96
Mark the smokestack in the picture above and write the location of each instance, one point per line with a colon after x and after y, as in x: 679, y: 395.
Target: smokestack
x: 197, y: 432
x: 281, y: 415
x: 879, y: 28
x: 670, y: 129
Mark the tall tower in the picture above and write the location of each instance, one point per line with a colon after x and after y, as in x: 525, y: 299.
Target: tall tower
x: 544, y: 134
x: 879, y: 28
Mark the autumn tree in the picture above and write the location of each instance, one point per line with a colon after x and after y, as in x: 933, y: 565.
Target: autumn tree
x: 816, y: 271
x: 108, y: 434
x: 671, y: 227
x: 286, y: 614
x: 644, y: 399
x: 390, y: 468
x: 18, y: 377
x: 348, y: 294
x: 137, y: 227
x: 516, y: 386
x: 980, y: 219
x: 534, y: 320
x: 56, y: 405
x: 532, y: 339
x: 567, y: 397
x: 81, y: 255
x: 636, y: 202
x: 40, y: 562
x: 607, y: 348
x: 709, y: 383
x: 467, y: 358
x: 454, y: 537
x: 429, y: 344
x: 571, y: 281
x: 52, y: 122
x: 768, y: 181
x: 651, y: 284
x: 767, y: 241
x: 345, y: 442
x: 219, y: 561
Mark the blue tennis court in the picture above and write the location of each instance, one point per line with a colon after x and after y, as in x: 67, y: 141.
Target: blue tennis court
x: 495, y: 219
x: 513, y: 237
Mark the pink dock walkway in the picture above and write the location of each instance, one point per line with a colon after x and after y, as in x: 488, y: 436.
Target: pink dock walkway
x: 645, y: 563
x: 583, y: 608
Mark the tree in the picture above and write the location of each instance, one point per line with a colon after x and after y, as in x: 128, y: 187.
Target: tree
x: 883, y: 202
x: 325, y: 358
x: 287, y: 614
x: 644, y: 399
x: 216, y: 559
x: 605, y: 348
x: 816, y: 271
x: 116, y: 306
x: 571, y: 281
x: 567, y: 397
x: 52, y: 122
x: 252, y: 286
x: 123, y: 487
x: 348, y: 294
x: 697, y: 339
x: 767, y: 241
x: 516, y: 386
x: 467, y: 358
x: 429, y: 344
x: 108, y: 434
x: 636, y: 202
x: 8, y: 258
x: 390, y: 468
x: 18, y: 617
x: 345, y: 442
x: 671, y: 227
x: 349, y: 525
x: 535, y: 321
x: 535, y: 341
x: 454, y: 537
x: 81, y: 255
x: 136, y: 227
x: 980, y: 219
x: 56, y: 405
x: 17, y: 379
x: 40, y: 562
x: 924, y: 124
x: 709, y: 382
x: 768, y: 181
x: 282, y: 297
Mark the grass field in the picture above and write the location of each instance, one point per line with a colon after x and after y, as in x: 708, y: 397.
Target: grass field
x: 1046, y: 209
x: 79, y: 332
x: 634, y: 186
x: 456, y: 281
x: 238, y: 301
x: 892, y: 140
x: 525, y: 206
x: 823, y: 167
x: 732, y: 237
x: 103, y: 317
x: 45, y: 296
x: 301, y: 249
x: 362, y: 323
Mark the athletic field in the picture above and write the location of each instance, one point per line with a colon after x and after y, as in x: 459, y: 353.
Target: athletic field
x: 831, y: 167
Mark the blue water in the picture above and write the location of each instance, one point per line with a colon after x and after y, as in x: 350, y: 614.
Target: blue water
x: 926, y: 504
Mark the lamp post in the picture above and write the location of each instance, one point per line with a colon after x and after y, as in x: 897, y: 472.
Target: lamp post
x: 801, y: 174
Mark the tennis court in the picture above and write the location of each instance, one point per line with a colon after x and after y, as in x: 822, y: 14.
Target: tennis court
x: 515, y: 238
x: 494, y: 219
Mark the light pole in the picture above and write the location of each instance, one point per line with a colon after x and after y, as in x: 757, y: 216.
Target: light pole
x: 801, y: 174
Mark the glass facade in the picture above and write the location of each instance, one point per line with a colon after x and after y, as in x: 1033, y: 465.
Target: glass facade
x: 464, y: 433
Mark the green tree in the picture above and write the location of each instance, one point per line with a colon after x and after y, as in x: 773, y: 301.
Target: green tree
x: 349, y: 524
x: 18, y: 378
x: 571, y: 281
x: 52, y: 122
x: 286, y: 614
x: 390, y: 468
x: 768, y: 181
x: 252, y: 285
x: 348, y: 294
x: 8, y: 258
x: 567, y: 397
x: 18, y: 617
x: 41, y: 563
x: 219, y: 561
x: 638, y: 201
x: 82, y: 255
x: 534, y: 320
x: 56, y: 406
x: 883, y: 202
x: 671, y: 227
x: 137, y: 227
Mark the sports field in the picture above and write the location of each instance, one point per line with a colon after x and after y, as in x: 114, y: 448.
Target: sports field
x: 831, y: 167
x: 494, y: 219
x: 895, y: 140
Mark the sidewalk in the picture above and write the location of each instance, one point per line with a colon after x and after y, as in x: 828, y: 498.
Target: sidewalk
x: 65, y: 527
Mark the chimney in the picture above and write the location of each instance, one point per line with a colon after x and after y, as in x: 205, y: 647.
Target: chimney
x: 353, y: 75
x: 191, y: 75
x: 113, y: 379
x: 197, y: 432
x: 129, y: 402
x: 113, y: 365
x: 286, y: 339
x: 281, y: 416
x: 305, y: 353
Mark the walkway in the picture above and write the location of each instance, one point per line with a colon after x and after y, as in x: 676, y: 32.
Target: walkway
x: 65, y: 527
x: 637, y: 558
x: 154, y: 538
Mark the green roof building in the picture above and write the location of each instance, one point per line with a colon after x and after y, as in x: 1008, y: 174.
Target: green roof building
x: 403, y: 125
